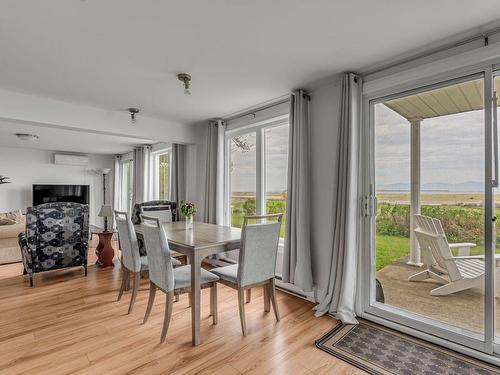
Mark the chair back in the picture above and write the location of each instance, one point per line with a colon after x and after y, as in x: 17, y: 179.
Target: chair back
x: 57, y: 235
x: 437, y: 245
x: 162, y: 212
x: 259, y: 246
x: 138, y: 209
x: 128, y: 242
x: 432, y: 226
x: 161, y: 271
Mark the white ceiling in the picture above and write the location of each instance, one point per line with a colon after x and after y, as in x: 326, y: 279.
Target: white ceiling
x: 119, y: 53
x: 60, y: 139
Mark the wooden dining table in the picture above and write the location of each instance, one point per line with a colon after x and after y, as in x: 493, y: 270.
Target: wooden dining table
x: 198, y: 243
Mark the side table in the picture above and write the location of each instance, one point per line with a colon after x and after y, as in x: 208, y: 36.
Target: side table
x: 104, y: 250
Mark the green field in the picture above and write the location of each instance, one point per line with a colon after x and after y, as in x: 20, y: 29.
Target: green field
x: 461, y: 214
x: 242, y: 207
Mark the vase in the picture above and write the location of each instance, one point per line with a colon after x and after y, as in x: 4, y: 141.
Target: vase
x: 189, y: 222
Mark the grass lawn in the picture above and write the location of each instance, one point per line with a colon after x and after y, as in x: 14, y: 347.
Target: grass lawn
x: 392, y: 248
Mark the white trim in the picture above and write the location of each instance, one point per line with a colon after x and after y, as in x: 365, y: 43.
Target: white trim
x: 161, y: 149
x: 257, y: 115
x: 468, y: 60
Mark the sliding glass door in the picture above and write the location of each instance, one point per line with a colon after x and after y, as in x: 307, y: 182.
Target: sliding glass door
x: 432, y: 233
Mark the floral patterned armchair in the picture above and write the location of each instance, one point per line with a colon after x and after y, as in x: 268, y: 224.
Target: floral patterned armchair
x: 57, y: 236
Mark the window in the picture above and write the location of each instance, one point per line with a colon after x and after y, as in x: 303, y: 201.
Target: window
x: 161, y: 174
x: 127, y: 185
x: 276, y: 167
x: 257, y: 171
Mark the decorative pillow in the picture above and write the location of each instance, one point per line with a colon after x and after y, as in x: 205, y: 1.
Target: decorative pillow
x: 7, y: 221
x: 16, y: 215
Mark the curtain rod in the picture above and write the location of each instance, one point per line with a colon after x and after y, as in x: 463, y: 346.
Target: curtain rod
x: 485, y: 36
x: 256, y: 109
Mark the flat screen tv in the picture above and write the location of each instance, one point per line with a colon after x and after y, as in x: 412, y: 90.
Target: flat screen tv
x: 60, y: 193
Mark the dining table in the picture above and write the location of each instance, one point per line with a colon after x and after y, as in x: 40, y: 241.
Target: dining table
x: 197, y: 243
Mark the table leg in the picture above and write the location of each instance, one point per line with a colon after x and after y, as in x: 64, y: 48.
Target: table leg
x: 195, y: 298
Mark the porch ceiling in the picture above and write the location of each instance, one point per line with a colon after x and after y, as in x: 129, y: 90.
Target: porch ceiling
x: 458, y: 98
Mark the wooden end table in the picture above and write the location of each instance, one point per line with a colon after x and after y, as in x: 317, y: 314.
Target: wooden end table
x: 104, y: 250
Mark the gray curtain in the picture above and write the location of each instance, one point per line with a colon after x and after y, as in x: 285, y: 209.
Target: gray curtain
x: 214, y: 173
x: 340, y: 296
x: 178, y: 179
x: 297, y: 268
x: 117, y: 188
x: 142, y: 159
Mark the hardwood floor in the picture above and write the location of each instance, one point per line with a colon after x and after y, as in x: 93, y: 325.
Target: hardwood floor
x: 69, y: 324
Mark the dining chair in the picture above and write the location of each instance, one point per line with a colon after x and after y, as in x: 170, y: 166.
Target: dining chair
x: 132, y: 262
x: 171, y: 281
x: 256, y: 265
x: 162, y: 212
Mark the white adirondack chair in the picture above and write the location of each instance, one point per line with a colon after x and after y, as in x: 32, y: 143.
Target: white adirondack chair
x: 433, y: 269
x: 462, y: 272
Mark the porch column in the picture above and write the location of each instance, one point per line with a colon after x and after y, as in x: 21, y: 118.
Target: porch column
x: 415, y: 186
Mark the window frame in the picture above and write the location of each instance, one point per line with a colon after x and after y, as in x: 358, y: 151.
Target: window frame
x: 259, y: 128
x: 126, y: 203
x: 155, y: 165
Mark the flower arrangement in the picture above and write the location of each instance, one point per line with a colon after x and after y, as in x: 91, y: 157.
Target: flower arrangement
x: 188, y: 209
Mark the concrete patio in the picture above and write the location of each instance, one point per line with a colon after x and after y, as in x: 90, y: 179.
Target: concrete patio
x: 463, y: 309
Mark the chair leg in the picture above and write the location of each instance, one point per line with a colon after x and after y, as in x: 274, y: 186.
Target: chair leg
x: 272, y: 292
x: 123, y: 284
x: 241, y: 304
x: 267, y: 298
x: 213, y: 303
x: 30, y: 275
x: 85, y: 268
x: 152, y: 294
x: 137, y: 281
x: 168, y: 315
x: 127, y: 282
x: 249, y: 295
x: 189, y: 299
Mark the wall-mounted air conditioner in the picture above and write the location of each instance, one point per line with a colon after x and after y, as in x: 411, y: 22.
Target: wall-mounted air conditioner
x: 69, y: 159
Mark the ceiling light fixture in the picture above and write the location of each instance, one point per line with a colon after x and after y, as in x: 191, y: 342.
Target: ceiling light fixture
x: 27, y: 137
x: 133, y: 112
x: 186, y: 79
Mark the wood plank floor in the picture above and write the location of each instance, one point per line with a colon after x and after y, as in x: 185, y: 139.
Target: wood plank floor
x: 69, y: 324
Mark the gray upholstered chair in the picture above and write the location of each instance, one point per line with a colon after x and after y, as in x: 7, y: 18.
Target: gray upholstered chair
x: 171, y: 281
x: 162, y: 212
x: 256, y: 265
x: 132, y: 263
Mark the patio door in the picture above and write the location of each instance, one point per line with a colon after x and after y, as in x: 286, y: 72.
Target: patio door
x: 432, y: 174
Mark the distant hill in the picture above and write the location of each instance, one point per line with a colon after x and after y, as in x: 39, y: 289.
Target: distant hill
x: 468, y: 186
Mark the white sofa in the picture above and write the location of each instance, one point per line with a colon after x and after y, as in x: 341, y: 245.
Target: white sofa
x: 9, y: 247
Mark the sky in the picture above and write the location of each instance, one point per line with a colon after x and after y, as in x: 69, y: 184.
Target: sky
x: 243, y: 174
x: 452, y: 148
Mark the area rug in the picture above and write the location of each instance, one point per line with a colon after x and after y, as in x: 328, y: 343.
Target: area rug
x: 382, y: 351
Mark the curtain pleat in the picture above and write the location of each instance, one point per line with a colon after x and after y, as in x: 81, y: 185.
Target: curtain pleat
x: 297, y: 268
x: 142, y: 170
x: 340, y: 296
x: 214, y: 174
x: 178, y: 179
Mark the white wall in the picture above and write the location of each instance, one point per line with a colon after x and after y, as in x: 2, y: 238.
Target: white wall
x: 26, y: 167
